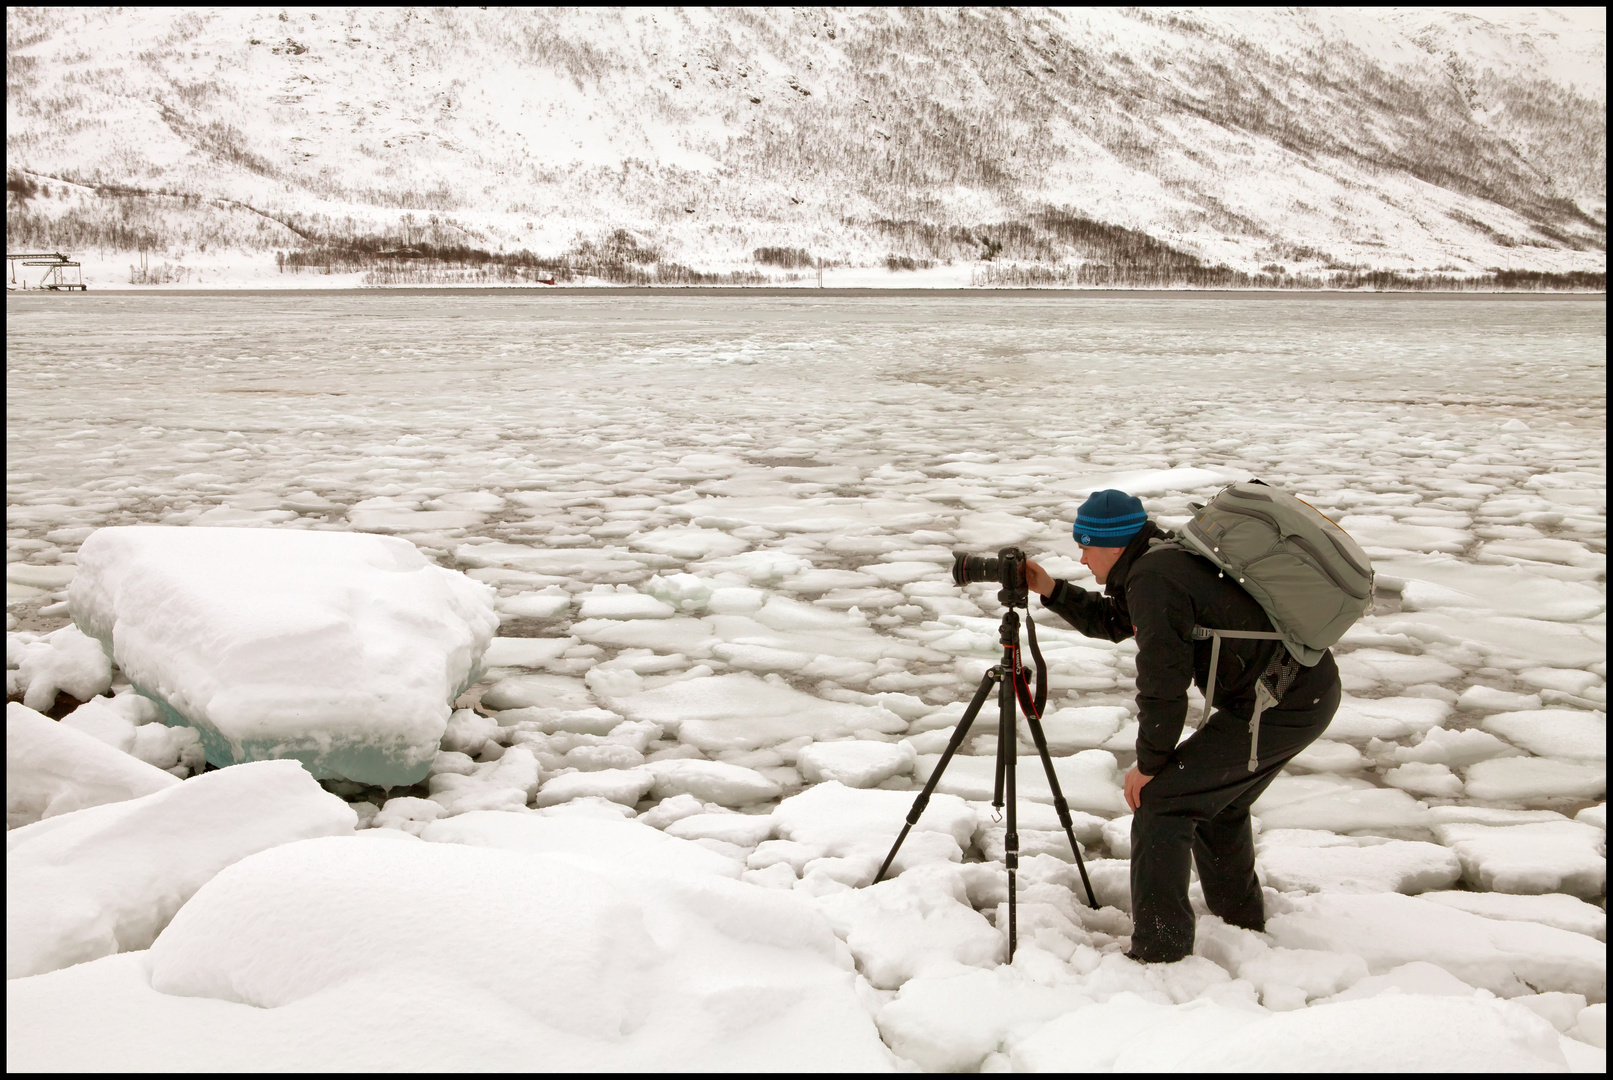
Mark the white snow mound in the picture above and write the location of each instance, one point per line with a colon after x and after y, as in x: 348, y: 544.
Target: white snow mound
x: 614, y: 972
x: 343, y: 650
x: 53, y: 769
x: 108, y: 879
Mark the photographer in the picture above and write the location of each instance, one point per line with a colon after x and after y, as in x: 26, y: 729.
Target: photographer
x: 1192, y: 799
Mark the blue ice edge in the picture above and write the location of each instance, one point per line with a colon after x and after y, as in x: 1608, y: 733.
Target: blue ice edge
x: 364, y: 761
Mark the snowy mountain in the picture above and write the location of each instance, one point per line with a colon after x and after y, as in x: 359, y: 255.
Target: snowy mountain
x: 984, y: 145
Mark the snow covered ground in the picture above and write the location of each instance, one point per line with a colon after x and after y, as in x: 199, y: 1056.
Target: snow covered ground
x: 719, y: 531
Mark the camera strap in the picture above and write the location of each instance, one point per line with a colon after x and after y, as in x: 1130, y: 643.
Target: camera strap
x: 1033, y: 708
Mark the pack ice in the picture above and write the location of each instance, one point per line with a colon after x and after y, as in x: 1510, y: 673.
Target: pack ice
x: 341, y: 650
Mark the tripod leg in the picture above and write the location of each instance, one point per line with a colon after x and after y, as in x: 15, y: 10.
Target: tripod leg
x: 1007, y: 744
x: 958, y: 734
x: 1060, y: 805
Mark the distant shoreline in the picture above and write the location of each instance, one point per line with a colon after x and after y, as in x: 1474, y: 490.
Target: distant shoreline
x: 853, y: 293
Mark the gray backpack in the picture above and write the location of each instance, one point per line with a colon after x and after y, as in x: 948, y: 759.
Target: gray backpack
x: 1310, y: 577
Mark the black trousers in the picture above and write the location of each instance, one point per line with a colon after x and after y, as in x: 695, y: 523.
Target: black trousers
x: 1198, y: 807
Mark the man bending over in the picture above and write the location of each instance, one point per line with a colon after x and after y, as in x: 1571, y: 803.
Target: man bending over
x: 1190, y: 800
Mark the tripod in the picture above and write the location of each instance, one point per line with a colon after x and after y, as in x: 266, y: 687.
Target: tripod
x: 1010, y: 679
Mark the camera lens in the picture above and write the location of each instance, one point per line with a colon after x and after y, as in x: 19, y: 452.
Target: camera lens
x: 968, y: 569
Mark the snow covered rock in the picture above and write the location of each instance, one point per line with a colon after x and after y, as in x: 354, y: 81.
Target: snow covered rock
x: 62, y: 661
x: 107, y: 879
x: 342, y: 650
x: 1533, y: 857
x: 856, y: 763
x: 1300, y: 860
x: 1386, y: 930
x: 53, y: 770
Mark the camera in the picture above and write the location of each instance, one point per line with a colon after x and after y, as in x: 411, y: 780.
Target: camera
x: 1007, y: 570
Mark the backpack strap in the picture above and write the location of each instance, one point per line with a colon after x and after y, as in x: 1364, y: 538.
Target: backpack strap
x: 1269, y: 688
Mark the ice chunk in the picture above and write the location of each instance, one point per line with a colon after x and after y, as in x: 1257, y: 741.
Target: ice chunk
x: 1131, y: 1033
x: 1486, y: 699
x: 504, y: 783
x: 177, y: 750
x: 468, y: 731
x: 744, y: 830
x: 1285, y: 978
x: 857, y: 763
x: 1551, y: 909
x: 1337, y: 804
x: 1591, y: 1027
x: 1117, y: 836
x: 1324, y: 755
x: 536, y: 605
x: 1594, y: 815
x: 1387, y: 930
x: 109, y: 878
x: 1082, y: 728
x: 1536, y: 857
x: 341, y: 650
x: 1417, y: 977
x: 99, y: 718
x: 743, y: 712
x: 525, y: 652
x: 841, y: 821
x: 1409, y: 1034
x: 1089, y: 780
x: 1384, y: 536
x: 710, y: 781
x: 920, y: 921
x: 1385, y: 718
x: 1313, y: 861
x: 64, y: 660
x: 405, y: 813
x: 1557, y: 733
x: 52, y: 769
x: 538, y: 691
x: 688, y: 543
x: 624, y: 603
x: 126, y: 723
x: 1527, y: 779
x: 1421, y: 778
x: 736, y: 601
x: 950, y: 1021
x: 625, y: 786
x: 1442, y: 746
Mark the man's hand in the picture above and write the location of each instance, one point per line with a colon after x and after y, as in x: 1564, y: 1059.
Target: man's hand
x: 1038, y: 580
x: 1134, y: 788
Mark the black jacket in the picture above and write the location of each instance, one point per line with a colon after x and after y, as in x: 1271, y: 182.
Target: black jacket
x: 1159, y: 595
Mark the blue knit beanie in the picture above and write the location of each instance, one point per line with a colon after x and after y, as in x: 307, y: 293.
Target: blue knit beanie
x: 1109, y: 518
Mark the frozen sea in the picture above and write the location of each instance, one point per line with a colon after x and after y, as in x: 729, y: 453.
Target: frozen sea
x: 720, y: 530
